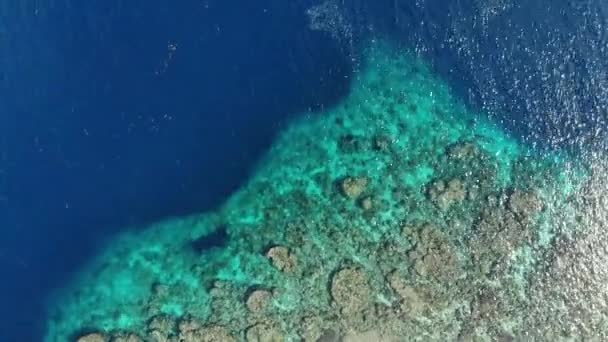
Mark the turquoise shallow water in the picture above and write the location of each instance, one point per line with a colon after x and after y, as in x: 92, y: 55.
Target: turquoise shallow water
x: 398, y: 214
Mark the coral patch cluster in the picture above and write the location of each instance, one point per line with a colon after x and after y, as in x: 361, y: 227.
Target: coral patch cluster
x: 396, y: 215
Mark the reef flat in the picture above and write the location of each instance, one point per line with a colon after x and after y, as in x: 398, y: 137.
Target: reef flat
x: 396, y: 215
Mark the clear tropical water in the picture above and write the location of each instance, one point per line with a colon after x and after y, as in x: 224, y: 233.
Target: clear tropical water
x: 316, y: 171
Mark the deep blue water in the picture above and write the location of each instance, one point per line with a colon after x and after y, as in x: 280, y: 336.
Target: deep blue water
x: 127, y: 113
x: 121, y: 113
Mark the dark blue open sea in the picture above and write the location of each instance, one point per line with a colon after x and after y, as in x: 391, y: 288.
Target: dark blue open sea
x: 118, y: 114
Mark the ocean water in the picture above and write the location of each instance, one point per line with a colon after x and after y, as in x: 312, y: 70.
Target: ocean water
x: 311, y: 170
x: 104, y: 126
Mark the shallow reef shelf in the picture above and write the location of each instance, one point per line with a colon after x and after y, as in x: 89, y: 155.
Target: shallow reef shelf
x: 396, y: 215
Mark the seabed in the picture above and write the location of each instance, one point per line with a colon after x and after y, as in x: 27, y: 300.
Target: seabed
x: 396, y: 215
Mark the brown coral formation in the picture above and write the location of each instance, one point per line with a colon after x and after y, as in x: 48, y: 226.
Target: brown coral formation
x: 126, y: 337
x: 353, y: 187
x: 264, y: 332
x: 282, y: 259
x: 165, y: 329
x: 500, y: 230
x: 433, y: 256
x: 329, y: 335
x: 208, y: 334
x: 524, y: 204
x: 368, y: 336
x: 463, y: 151
x: 569, y: 293
x: 493, y: 313
x: 412, y: 301
x: 350, y: 290
x: 161, y: 328
x: 366, y: 203
x: 314, y: 328
x: 445, y: 194
x: 93, y: 337
x: 258, y: 300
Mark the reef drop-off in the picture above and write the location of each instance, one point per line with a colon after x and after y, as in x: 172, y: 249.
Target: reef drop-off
x: 396, y: 215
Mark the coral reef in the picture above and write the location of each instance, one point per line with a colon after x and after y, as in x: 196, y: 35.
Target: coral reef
x: 282, y: 259
x: 445, y: 194
x: 350, y: 290
x: 93, y: 337
x: 353, y: 187
x: 396, y: 215
x: 258, y: 301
